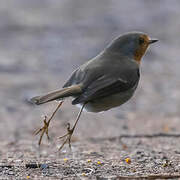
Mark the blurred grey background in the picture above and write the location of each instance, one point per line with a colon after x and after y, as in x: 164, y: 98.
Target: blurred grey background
x: 42, y: 42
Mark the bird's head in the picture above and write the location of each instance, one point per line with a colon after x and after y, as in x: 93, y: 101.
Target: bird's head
x: 132, y: 44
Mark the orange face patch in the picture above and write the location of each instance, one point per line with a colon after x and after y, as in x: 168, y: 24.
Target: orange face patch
x: 143, y: 45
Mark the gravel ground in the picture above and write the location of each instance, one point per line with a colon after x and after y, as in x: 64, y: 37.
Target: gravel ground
x: 41, y: 42
x: 148, y: 157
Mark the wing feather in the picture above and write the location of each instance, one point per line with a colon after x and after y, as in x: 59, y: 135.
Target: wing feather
x: 105, y: 86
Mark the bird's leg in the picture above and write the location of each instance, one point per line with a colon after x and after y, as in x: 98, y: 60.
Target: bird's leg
x: 70, y: 130
x: 44, y: 129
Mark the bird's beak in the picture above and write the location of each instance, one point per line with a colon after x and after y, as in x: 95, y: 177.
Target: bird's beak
x: 152, y: 41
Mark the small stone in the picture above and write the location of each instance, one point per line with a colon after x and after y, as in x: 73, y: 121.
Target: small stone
x: 83, y: 174
x: 89, y: 160
x: 10, y: 173
x: 44, y: 166
x: 128, y: 160
x: 33, y: 165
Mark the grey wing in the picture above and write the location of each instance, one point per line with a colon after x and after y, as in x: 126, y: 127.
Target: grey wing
x: 106, y: 86
x: 75, y: 78
x: 84, y: 75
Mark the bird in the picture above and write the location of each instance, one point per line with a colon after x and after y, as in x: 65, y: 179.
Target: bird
x: 104, y: 82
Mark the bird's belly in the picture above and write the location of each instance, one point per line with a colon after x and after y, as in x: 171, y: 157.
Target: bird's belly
x: 109, y: 102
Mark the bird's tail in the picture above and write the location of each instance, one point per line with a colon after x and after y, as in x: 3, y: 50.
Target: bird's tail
x: 65, y: 92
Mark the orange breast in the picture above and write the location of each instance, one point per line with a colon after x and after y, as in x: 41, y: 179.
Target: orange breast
x: 141, y: 49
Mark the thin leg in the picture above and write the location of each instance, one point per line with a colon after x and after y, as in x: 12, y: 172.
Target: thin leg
x: 70, y: 130
x: 44, y: 129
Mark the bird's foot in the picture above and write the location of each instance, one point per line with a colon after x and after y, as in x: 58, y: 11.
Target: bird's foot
x: 43, y: 130
x: 67, y: 136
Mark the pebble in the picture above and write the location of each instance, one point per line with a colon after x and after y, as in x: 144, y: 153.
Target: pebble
x: 10, y: 173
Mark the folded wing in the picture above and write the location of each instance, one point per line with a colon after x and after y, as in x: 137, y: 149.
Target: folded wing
x: 106, y: 86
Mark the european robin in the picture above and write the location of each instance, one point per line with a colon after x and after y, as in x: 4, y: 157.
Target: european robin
x: 104, y: 82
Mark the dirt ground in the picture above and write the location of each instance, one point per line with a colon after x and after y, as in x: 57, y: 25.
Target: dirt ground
x: 41, y: 43
x: 125, y: 157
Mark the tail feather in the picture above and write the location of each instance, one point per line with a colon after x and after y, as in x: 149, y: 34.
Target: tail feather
x: 65, y: 92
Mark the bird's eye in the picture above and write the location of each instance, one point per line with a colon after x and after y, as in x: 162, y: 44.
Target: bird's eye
x: 141, y: 41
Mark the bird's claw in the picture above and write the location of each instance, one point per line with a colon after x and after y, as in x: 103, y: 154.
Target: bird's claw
x: 68, y: 136
x: 43, y: 130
